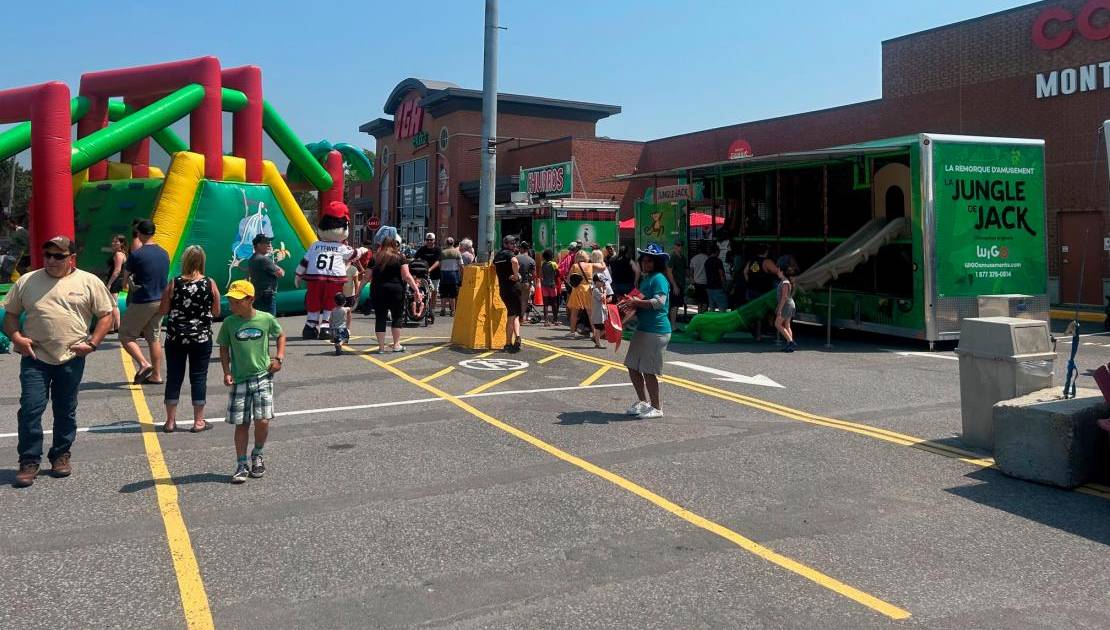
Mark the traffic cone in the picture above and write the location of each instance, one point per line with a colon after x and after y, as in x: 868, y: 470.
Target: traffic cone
x: 537, y: 298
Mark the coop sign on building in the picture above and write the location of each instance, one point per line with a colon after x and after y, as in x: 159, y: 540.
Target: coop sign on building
x: 1054, y: 28
x: 553, y: 180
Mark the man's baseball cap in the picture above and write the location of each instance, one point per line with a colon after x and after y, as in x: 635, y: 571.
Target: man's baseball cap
x: 145, y: 227
x: 262, y: 238
x: 61, y: 242
x: 573, y: 245
x: 240, y: 289
x: 430, y: 235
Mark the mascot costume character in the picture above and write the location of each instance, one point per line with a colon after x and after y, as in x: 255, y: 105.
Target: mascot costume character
x: 324, y: 268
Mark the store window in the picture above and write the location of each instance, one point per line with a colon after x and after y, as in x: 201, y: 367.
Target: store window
x: 412, y: 199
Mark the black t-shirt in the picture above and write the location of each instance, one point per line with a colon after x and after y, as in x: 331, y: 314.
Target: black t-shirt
x: 714, y: 268
x: 430, y: 255
x: 503, y: 265
x: 527, y: 267
x: 622, y: 271
x: 263, y: 273
x: 759, y: 281
x: 387, y: 271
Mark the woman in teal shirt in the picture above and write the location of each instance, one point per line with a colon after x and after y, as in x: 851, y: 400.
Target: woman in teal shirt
x: 644, y: 359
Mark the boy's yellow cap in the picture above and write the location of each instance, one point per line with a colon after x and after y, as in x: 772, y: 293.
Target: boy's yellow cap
x: 240, y: 289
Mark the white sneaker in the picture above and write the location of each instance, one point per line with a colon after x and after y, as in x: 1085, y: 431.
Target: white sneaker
x: 638, y: 408
x: 651, y: 412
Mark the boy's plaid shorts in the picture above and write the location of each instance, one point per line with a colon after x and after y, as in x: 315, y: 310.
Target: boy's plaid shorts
x: 253, y: 399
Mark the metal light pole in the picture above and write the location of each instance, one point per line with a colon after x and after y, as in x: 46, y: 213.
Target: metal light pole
x: 488, y: 188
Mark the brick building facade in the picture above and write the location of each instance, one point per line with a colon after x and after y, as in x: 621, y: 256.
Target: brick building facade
x: 1037, y: 71
x: 441, y: 192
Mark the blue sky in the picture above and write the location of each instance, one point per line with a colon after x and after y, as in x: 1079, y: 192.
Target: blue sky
x: 673, y: 66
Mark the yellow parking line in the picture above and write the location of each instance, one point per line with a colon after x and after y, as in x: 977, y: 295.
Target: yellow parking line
x: 419, y: 354
x: 893, y: 437
x: 438, y: 374
x: 550, y: 358
x: 485, y: 354
x: 747, y: 544
x: 497, y: 381
x: 194, y: 601
x: 591, y: 379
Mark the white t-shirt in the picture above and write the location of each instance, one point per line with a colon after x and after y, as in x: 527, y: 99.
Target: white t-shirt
x: 326, y: 260
x: 351, y: 284
x: 697, y: 268
x: 338, y: 318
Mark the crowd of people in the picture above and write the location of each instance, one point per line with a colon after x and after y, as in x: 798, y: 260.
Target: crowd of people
x: 58, y: 315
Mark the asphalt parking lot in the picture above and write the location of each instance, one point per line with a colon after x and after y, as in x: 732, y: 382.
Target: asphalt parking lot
x: 438, y: 488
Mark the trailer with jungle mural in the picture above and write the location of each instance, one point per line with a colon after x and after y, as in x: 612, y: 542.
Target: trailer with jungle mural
x: 901, y: 236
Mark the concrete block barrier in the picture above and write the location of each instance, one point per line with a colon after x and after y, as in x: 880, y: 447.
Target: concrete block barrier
x: 1045, y: 438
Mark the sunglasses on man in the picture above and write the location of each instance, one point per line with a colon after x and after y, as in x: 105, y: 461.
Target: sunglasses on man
x: 54, y: 256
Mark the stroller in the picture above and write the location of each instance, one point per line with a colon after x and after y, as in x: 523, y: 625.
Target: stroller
x: 533, y: 314
x: 412, y: 309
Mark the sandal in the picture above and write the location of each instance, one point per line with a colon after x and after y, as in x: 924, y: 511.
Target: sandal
x: 204, y: 427
x: 169, y: 427
x: 143, y: 374
x: 399, y: 349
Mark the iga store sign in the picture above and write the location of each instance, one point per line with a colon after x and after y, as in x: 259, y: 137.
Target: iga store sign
x: 554, y: 180
x: 409, y: 120
x: 990, y: 219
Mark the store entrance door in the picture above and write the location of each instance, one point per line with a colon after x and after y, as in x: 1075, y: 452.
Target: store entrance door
x: 1080, y: 232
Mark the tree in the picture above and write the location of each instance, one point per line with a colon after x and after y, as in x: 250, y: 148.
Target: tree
x: 309, y: 204
x: 22, y: 188
x: 350, y: 178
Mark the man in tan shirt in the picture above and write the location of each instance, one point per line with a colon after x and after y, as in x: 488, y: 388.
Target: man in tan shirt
x: 58, y: 303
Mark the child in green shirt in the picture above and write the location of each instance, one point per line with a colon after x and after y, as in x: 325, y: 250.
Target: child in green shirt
x: 249, y: 370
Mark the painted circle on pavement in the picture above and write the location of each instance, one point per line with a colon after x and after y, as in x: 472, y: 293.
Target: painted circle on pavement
x: 494, y: 365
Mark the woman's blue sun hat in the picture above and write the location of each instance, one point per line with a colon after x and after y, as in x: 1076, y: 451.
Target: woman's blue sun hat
x: 384, y: 232
x: 655, y: 250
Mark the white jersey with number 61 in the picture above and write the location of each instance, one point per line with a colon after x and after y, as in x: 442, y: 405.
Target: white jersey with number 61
x: 325, y: 260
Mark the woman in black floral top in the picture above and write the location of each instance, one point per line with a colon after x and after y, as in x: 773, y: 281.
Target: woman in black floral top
x: 191, y: 301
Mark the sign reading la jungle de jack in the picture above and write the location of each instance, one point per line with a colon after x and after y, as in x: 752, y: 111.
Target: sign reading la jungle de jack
x: 990, y: 217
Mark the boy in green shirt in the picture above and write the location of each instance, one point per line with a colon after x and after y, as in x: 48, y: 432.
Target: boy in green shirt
x: 244, y: 342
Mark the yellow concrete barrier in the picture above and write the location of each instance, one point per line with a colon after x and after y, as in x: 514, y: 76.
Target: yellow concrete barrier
x: 480, y: 315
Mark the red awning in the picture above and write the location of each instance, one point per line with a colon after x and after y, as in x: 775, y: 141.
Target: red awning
x: 701, y: 219
x: 697, y: 219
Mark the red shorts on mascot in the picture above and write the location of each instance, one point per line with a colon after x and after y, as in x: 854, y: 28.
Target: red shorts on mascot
x: 324, y: 268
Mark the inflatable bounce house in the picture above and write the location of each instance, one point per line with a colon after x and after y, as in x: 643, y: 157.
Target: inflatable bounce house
x: 205, y: 197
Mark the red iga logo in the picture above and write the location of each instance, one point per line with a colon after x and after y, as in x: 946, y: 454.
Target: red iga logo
x: 1054, y: 27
